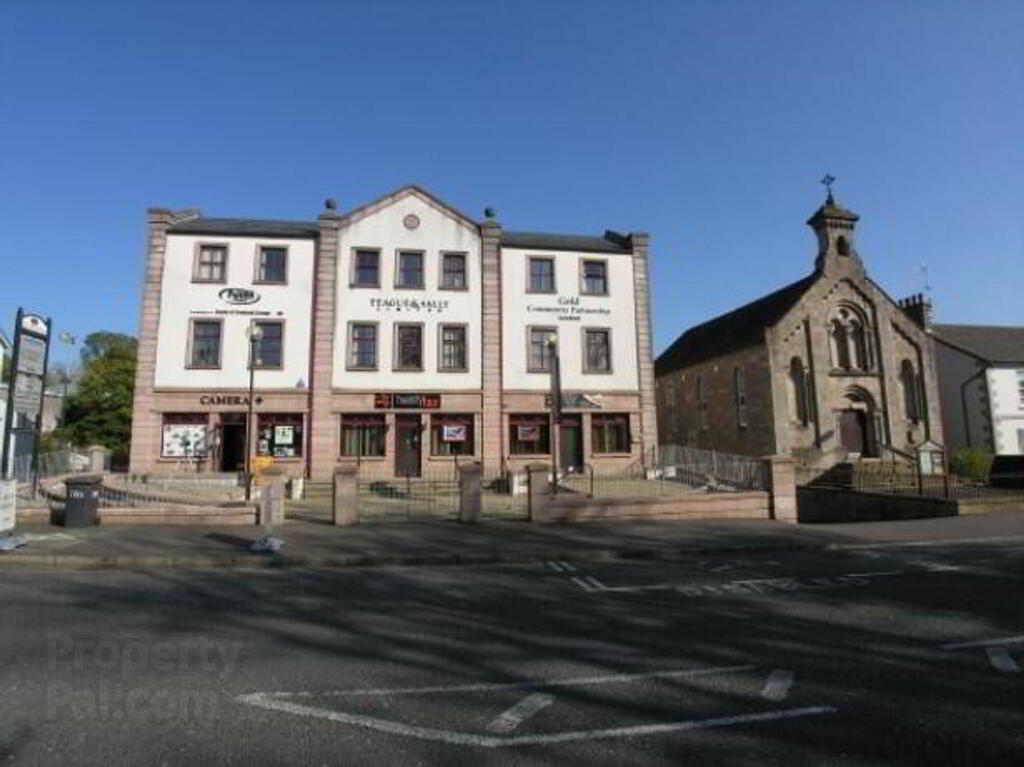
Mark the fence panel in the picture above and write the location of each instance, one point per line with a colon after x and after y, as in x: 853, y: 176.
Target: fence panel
x: 434, y: 495
x: 712, y: 469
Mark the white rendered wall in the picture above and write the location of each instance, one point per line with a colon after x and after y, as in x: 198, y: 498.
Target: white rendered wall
x: 568, y: 312
x: 437, y: 232
x: 1007, y: 409
x: 182, y: 300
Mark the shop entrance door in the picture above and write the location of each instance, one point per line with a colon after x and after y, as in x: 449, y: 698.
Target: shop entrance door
x: 570, y: 438
x: 232, y: 442
x: 407, y: 445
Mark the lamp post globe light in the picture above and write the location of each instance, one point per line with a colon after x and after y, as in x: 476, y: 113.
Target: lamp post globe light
x: 255, y: 333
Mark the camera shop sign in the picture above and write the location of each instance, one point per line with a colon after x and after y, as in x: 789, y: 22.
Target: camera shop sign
x: 226, y: 399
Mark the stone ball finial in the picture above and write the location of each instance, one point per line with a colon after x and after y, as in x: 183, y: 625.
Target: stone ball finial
x: 489, y: 212
x: 331, y: 204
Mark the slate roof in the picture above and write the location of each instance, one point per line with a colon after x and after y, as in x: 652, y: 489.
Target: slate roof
x: 735, y: 330
x: 611, y: 242
x: 247, y: 227
x: 993, y: 343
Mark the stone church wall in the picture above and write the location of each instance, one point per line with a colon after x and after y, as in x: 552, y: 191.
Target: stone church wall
x: 680, y: 418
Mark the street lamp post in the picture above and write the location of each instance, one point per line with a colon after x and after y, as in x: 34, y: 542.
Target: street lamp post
x: 255, y: 334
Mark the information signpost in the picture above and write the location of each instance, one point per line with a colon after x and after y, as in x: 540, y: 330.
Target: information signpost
x: 27, y: 384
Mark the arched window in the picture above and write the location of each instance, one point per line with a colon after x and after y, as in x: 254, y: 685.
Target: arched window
x: 842, y: 247
x: 859, y: 344
x: 798, y: 391
x: 850, y: 339
x: 911, y: 394
x: 840, y: 346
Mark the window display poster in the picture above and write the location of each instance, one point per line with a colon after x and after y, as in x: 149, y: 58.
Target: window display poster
x: 184, y: 440
x: 529, y: 433
x: 284, y: 435
x: 454, y: 433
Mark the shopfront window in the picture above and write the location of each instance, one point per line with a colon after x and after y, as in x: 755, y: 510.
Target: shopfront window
x: 529, y: 434
x: 279, y: 434
x: 451, y: 434
x: 609, y: 433
x: 363, y: 435
x: 184, y: 435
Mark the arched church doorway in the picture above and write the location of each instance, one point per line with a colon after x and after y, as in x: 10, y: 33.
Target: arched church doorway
x: 858, y: 430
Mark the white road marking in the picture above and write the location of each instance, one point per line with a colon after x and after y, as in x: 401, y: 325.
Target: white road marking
x: 261, y: 700
x: 932, y: 566
x: 1001, y: 660
x: 509, y: 720
x: 582, y: 584
x: 595, y: 583
x: 983, y: 643
x: 498, y: 686
x: 776, y: 687
x: 755, y: 586
x: 568, y: 566
x: 948, y: 542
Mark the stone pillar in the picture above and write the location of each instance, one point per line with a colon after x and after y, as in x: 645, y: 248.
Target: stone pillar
x: 490, y: 436
x: 644, y: 354
x: 538, y: 490
x: 97, y: 458
x: 146, y: 425
x: 781, y: 471
x: 271, y: 502
x: 323, y: 425
x: 469, y: 491
x: 345, y: 509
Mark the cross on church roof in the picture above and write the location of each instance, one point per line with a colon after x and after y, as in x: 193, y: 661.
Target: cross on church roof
x: 828, y: 181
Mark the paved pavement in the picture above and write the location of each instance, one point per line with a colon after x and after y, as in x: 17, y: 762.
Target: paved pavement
x: 309, y: 544
x: 882, y: 653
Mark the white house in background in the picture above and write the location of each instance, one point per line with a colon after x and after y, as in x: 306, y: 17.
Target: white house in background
x: 402, y: 334
x: 981, y: 385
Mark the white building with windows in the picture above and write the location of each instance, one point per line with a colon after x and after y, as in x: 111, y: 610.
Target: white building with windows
x: 981, y: 383
x: 401, y: 334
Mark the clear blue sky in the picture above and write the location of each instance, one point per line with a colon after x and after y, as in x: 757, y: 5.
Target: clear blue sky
x: 708, y: 124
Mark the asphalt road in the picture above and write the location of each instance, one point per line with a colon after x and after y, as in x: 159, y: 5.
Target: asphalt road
x: 890, y: 655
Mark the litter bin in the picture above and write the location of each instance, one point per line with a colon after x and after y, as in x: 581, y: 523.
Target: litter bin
x: 82, y: 501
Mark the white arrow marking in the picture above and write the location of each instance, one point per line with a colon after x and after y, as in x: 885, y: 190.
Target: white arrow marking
x: 509, y: 720
x: 1001, y: 660
x: 487, y: 741
x: 776, y: 687
x: 497, y: 686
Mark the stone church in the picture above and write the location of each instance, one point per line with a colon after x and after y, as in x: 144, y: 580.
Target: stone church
x: 825, y: 369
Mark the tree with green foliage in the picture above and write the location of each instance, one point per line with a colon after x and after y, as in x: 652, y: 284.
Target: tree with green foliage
x: 100, y: 410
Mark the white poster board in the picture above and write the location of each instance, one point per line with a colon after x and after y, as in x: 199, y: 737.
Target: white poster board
x: 8, y: 494
x: 184, y: 441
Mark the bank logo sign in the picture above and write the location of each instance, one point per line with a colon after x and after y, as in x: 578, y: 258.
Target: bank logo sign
x: 238, y: 296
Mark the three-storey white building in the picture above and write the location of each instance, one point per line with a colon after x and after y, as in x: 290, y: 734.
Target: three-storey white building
x: 401, y: 334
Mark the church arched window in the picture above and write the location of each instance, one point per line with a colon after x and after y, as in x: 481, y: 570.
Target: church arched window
x: 840, y: 345
x: 911, y: 392
x: 798, y: 391
x: 850, y: 339
x: 842, y: 246
x: 858, y: 345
